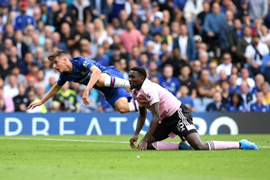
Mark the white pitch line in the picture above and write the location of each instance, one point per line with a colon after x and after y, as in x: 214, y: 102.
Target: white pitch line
x: 79, y: 140
x: 64, y: 140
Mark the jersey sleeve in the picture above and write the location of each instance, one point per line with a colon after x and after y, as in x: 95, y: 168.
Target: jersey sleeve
x: 87, y: 63
x: 61, y: 80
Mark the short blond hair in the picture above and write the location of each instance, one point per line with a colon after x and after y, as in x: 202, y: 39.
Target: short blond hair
x: 57, y: 53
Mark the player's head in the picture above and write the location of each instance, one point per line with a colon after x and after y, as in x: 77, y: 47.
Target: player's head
x: 137, y: 76
x: 59, y: 60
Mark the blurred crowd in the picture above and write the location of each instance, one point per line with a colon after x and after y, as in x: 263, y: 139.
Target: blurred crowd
x: 213, y: 55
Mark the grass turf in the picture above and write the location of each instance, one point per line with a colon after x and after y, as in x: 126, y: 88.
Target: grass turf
x: 36, y: 158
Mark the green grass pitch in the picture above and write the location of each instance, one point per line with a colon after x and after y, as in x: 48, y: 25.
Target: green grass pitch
x: 91, y: 157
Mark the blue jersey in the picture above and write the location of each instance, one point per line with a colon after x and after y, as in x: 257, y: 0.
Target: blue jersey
x: 81, y: 74
x: 234, y: 90
x: 171, y: 86
x: 187, y: 101
x: 231, y: 108
x: 255, y: 90
x: 80, y: 71
x: 255, y: 108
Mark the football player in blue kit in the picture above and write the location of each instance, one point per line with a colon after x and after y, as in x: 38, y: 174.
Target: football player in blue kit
x: 108, y: 80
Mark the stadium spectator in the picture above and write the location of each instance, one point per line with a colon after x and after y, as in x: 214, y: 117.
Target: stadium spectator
x: 123, y: 19
x: 40, y: 92
x: 236, y: 104
x: 135, y: 17
x: 63, y: 15
x: 22, y: 20
x: 32, y: 97
x: 21, y: 100
x: 265, y: 36
x: 65, y: 32
x: 153, y: 70
x: 224, y: 30
x: 51, y: 82
x: 233, y: 86
x: 107, y: 48
x: 222, y: 77
x: 92, y: 107
x: 203, y: 58
x: 30, y: 85
x: 22, y: 48
x: 182, y: 95
x: 247, y: 97
x: 169, y: 82
x: 144, y: 7
x: 81, y: 10
x: 258, y: 8
x: 245, y: 77
x: 20, y: 78
x: 101, y: 57
x: 201, y: 17
x: 214, y: 76
x: 39, y: 57
x: 5, y: 68
x: 217, y: 105
x: 11, y: 89
x: 186, y: 80
x: 225, y: 92
x: 254, y: 54
x: 266, y: 93
x: 131, y: 37
x: 78, y: 34
x: 196, y: 70
x: 185, y: 44
x: 191, y: 10
x: 242, y: 44
x: 56, y: 40
x: 7, y: 46
x: 258, y: 106
x: 259, y: 80
x: 143, y: 61
x: 65, y: 100
x: 212, y: 25
x: 226, y: 64
x: 99, y: 9
x: 205, y: 88
x: 33, y: 72
x: 233, y: 37
x: 9, y: 31
x: 6, y: 103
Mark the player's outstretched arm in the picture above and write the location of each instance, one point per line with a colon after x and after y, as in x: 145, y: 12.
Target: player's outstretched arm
x: 50, y: 94
x: 140, y: 123
x: 155, y: 120
x: 93, y: 80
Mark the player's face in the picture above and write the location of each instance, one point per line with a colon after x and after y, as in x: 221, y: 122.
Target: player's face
x: 59, y: 64
x: 135, y: 80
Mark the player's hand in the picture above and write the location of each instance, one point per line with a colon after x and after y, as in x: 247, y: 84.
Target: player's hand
x: 85, y: 97
x: 132, y: 141
x: 142, y: 146
x: 33, y: 105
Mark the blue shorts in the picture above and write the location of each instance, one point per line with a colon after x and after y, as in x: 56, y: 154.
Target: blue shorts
x: 113, y: 94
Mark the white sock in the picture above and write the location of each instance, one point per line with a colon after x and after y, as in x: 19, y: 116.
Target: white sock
x: 112, y: 82
x: 133, y: 106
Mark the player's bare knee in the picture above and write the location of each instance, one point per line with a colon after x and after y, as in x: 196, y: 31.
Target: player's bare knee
x: 100, y: 83
x: 123, y: 110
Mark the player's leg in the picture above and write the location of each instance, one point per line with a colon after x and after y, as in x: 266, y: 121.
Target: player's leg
x: 155, y: 142
x: 187, y: 129
x: 123, y: 106
x: 196, y: 142
x: 105, y: 80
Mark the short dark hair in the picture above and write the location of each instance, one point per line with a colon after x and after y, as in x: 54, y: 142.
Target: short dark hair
x: 57, y: 53
x: 140, y: 70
